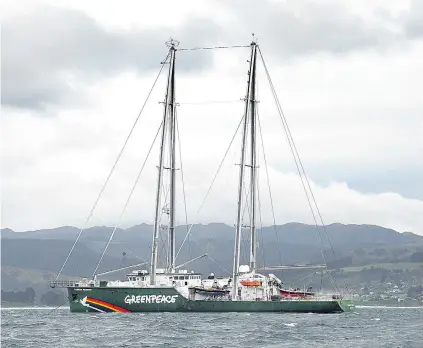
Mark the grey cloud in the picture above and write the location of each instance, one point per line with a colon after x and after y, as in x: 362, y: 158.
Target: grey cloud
x: 49, y: 53
x: 46, y: 53
x: 413, y: 20
x: 404, y: 179
x: 296, y: 28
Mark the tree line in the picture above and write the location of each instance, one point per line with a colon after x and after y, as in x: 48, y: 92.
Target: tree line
x: 50, y: 298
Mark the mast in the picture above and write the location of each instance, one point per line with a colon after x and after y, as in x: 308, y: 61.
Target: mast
x: 172, y: 143
x: 168, y: 110
x: 253, y: 176
x: 241, y: 175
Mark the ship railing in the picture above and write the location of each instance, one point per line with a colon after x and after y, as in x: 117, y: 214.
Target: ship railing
x: 66, y: 283
x: 217, y: 298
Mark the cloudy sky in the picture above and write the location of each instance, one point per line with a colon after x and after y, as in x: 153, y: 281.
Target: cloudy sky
x: 75, y: 74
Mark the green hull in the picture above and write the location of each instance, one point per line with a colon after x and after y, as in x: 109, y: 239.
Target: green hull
x: 169, y: 300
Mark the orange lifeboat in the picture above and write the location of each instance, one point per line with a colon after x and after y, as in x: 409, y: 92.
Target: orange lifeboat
x: 250, y: 283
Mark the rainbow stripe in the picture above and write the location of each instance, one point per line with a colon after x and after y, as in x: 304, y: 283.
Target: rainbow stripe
x: 105, y: 306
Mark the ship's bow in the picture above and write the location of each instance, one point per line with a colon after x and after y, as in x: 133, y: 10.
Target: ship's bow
x: 346, y: 305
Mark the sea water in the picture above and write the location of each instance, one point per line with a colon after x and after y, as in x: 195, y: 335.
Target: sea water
x: 366, y: 327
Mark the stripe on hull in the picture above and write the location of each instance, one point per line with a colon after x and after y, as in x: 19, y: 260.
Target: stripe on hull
x: 105, y: 306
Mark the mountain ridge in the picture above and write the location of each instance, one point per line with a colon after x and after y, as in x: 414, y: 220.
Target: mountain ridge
x: 289, y: 243
x: 39, y: 253
x: 143, y: 226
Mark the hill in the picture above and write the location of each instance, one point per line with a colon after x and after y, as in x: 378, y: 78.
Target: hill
x: 29, y: 258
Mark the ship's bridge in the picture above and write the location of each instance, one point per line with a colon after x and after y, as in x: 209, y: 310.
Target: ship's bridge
x: 164, y: 278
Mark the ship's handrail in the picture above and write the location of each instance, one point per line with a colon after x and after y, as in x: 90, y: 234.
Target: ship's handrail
x: 66, y: 283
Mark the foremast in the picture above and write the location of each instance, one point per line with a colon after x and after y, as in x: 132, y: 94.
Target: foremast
x: 249, y: 120
x: 168, y: 129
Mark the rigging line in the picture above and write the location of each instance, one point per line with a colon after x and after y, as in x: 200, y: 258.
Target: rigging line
x: 211, y: 48
x: 183, y: 181
x: 129, y: 197
x: 217, y: 263
x: 113, y: 167
x: 295, y: 159
x: 261, y: 230
x: 165, y: 192
x: 161, y: 244
x: 246, y: 195
x: 164, y: 244
x: 134, y: 255
x: 246, y: 205
x: 295, y: 155
x: 297, y: 281
x: 258, y: 177
x: 243, y: 234
x: 260, y: 215
x: 303, y: 170
x: 275, y: 228
x: 204, y: 251
x: 289, y: 139
x: 211, y: 102
x: 211, y: 185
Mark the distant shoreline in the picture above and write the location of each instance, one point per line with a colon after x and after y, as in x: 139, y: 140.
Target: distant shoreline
x: 18, y: 305
x: 33, y: 307
x: 364, y: 304
x: 389, y: 306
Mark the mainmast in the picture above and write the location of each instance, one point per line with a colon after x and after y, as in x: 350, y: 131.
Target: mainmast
x: 248, y: 103
x: 253, y: 180
x: 168, y: 126
x: 172, y: 162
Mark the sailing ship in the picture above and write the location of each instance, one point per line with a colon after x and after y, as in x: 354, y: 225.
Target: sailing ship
x: 173, y: 289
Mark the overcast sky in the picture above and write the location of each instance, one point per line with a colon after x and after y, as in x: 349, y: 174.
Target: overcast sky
x: 75, y: 74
